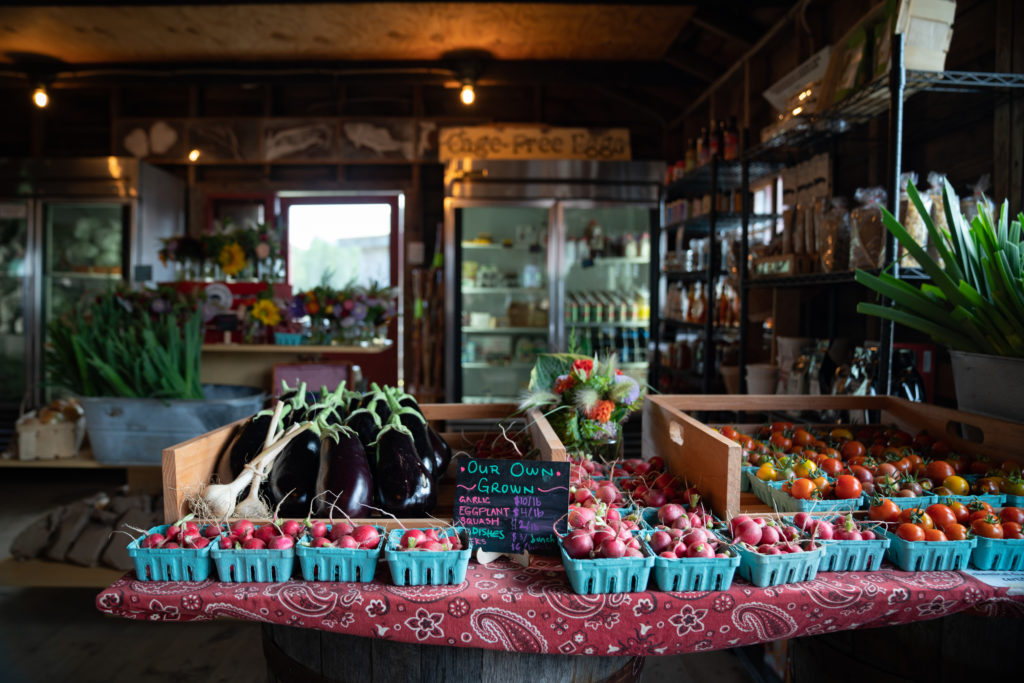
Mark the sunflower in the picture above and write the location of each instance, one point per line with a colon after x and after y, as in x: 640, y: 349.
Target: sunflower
x: 267, y: 312
x: 231, y: 258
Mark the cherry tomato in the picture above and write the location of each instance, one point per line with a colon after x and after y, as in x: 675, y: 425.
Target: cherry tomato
x: 1012, y: 530
x: 938, y: 470
x: 781, y: 441
x: 852, y: 449
x: 987, y: 526
x: 766, y: 472
x: 963, y: 515
x: 1013, y: 484
x: 839, y: 433
x: 833, y: 467
x: 957, y: 462
x: 802, y: 438
x: 916, y: 516
x: 934, y: 535
x: 955, y: 532
x: 782, y: 426
x: 956, y: 484
x: 848, y: 486
x: 903, y: 465
x: 802, y: 489
x: 976, y: 505
x: 1009, y: 466
x: 862, y: 473
x: 821, y: 483
x: 941, y: 515
x: 910, y: 532
x: 729, y: 433
x: 978, y: 514
x: 981, y: 465
x: 986, y: 486
x: 884, y: 511
x: 887, y: 469
x: 1011, y: 514
x: 805, y: 468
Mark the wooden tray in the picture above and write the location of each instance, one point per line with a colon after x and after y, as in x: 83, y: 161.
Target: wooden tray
x: 188, y: 466
x: 706, y: 459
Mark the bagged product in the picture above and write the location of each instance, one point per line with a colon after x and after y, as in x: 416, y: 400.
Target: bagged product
x: 912, y: 219
x: 867, y: 234
x: 936, y: 181
x: 834, y: 237
x: 969, y: 205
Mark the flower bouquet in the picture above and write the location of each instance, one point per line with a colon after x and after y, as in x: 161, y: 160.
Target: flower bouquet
x: 586, y: 401
x: 351, y: 315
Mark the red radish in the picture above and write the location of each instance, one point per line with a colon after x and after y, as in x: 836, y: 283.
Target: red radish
x: 578, y: 544
x: 790, y: 533
x: 790, y: 547
x: 339, y: 529
x: 170, y: 545
x: 430, y: 534
x: 811, y: 546
x: 768, y: 550
x: 695, y: 537
x: 682, y: 523
x: 748, y: 532
x: 670, y: 513
x: 318, y: 529
x: 721, y: 555
x: 153, y: 541
x: 633, y: 552
x: 700, y: 550
x: 292, y: 527
x: 822, y: 529
x: 281, y: 543
x: 254, y: 544
x: 582, y: 495
x: 668, y: 555
x: 736, y: 521
x: 760, y: 521
x: 267, y: 532
x: 655, y: 498
x: 243, y: 528
x: 770, y: 534
x: 434, y: 546
x: 659, y: 540
x: 412, y: 538
x: 227, y: 542
x: 633, y: 542
x: 366, y: 536
x: 212, y: 531
x: 803, y: 520
x: 612, y: 549
x: 199, y: 543
x: 580, y: 517
x: 844, y: 535
x: 675, y: 533
x: 172, y: 532
x: 656, y: 463
x: 323, y: 542
x: 867, y: 535
x: 641, y: 468
x: 613, y: 516
x: 188, y: 537
x: 190, y: 527
x: 607, y: 493
x: 603, y: 534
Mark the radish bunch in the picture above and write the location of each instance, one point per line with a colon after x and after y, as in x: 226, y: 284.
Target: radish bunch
x: 767, y: 537
x: 342, y: 535
x: 674, y: 543
x: 591, y: 492
x: 244, y: 535
x: 182, y: 534
x: 592, y: 537
x: 837, y: 528
x: 428, y: 540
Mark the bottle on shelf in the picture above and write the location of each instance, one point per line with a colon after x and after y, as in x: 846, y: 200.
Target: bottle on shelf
x: 714, y: 141
x: 702, y: 147
x: 731, y: 141
x: 691, y: 155
x: 595, y: 235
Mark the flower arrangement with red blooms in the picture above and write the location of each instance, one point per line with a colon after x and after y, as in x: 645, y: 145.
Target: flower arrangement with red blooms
x: 585, y: 400
x: 351, y: 313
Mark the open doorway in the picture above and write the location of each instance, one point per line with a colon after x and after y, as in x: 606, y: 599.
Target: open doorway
x: 348, y: 240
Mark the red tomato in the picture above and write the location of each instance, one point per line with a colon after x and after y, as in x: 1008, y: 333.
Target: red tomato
x: 1009, y: 466
x: 729, y: 433
x: 916, y: 516
x: 862, y: 473
x: 937, y: 470
x: 1012, y: 530
x: 987, y: 526
x: 832, y: 467
x: 955, y: 532
x: 848, y: 486
x: 941, y: 515
x: 1012, y: 514
x: 887, y: 469
x: 910, y: 532
x: 802, y: 489
x: 782, y: 426
x: 780, y: 441
x: 802, y: 437
x: 884, y: 511
x: 934, y: 535
x: 963, y: 515
x: 852, y: 449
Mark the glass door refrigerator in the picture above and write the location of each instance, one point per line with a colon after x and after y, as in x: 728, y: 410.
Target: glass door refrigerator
x: 545, y: 256
x: 88, y: 225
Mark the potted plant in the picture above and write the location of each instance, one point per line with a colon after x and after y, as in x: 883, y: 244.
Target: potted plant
x: 132, y: 358
x: 974, y: 303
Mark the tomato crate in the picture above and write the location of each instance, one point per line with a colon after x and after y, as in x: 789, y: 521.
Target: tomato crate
x: 681, y: 429
x: 995, y: 500
x: 428, y: 567
x: 338, y: 564
x: 747, y: 471
x: 1013, y: 501
x: 622, y: 575
x: 775, y: 570
x: 692, y: 573
x: 909, y: 502
x: 929, y: 556
x: 1002, y: 554
x: 169, y: 564
x: 189, y: 466
x: 783, y: 502
x: 253, y: 566
x: 853, y: 556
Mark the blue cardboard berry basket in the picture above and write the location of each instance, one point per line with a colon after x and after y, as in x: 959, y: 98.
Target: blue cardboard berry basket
x: 775, y: 570
x: 783, y: 502
x: 169, y: 564
x: 622, y: 575
x: 908, y: 502
x: 338, y: 564
x: 1002, y: 554
x: 928, y: 556
x: 423, y: 567
x: 692, y: 573
x: 253, y: 566
x: 854, y: 556
x: 996, y: 500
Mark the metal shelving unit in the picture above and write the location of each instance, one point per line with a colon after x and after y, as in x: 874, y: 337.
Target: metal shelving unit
x: 886, y: 94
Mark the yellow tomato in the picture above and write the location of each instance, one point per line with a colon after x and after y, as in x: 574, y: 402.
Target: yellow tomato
x: 766, y: 472
x: 957, y: 485
x: 840, y: 433
x: 805, y: 468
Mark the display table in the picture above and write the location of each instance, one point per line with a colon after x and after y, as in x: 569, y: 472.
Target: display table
x: 533, y: 610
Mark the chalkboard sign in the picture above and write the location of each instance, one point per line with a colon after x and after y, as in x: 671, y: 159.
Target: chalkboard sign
x: 511, y: 506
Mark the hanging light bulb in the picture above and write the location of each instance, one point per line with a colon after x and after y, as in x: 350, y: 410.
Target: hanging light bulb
x: 40, y: 98
x: 467, y: 94
x: 193, y: 156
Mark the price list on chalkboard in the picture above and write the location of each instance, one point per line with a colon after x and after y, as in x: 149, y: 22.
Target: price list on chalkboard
x: 511, y: 506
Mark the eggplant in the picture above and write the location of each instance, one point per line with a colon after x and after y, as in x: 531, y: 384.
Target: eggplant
x: 417, y: 426
x: 293, y: 476
x: 402, y: 485
x: 378, y: 401
x: 366, y: 424
x: 442, y: 451
x: 344, y: 480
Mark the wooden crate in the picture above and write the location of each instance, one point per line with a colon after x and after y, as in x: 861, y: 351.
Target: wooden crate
x: 709, y: 461
x: 189, y: 466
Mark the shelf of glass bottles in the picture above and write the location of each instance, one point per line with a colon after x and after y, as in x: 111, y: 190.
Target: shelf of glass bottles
x: 686, y: 306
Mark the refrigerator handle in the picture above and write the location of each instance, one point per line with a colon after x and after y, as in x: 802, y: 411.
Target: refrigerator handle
x: 556, y: 279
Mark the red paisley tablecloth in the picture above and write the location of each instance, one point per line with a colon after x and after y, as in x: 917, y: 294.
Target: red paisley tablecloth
x: 502, y: 606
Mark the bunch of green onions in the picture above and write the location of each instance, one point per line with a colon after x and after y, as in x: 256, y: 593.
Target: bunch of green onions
x: 975, y: 301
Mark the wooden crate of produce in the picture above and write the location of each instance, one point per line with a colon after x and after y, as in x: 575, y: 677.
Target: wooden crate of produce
x: 709, y: 461
x: 189, y: 466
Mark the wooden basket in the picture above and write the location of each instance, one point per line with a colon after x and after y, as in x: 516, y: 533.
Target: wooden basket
x: 188, y: 466
x: 709, y: 461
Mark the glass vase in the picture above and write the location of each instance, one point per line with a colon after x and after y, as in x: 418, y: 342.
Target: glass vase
x: 605, y: 450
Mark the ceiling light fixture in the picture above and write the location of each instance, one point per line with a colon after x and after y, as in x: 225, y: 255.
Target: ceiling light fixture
x: 467, y: 94
x: 193, y: 156
x: 40, y: 97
